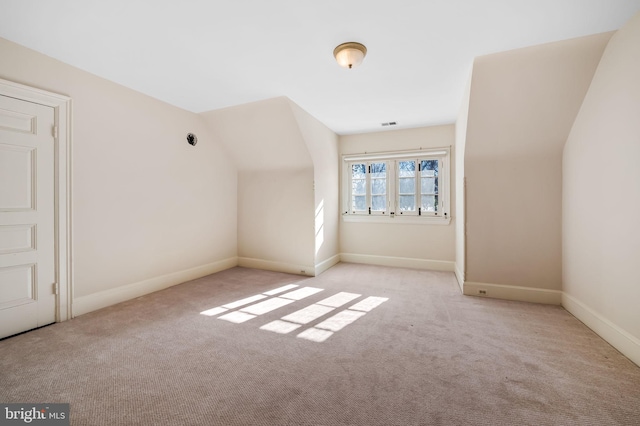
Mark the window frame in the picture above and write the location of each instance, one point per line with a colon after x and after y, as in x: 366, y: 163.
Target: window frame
x: 393, y: 214
x: 368, y: 184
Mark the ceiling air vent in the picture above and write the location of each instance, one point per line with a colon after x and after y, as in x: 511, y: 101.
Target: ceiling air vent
x: 389, y: 123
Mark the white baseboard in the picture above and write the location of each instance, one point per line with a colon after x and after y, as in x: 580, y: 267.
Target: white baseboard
x: 399, y: 262
x: 459, y: 277
x: 512, y: 292
x: 95, y: 301
x: 269, y: 265
x: 627, y: 344
x: 326, y: 264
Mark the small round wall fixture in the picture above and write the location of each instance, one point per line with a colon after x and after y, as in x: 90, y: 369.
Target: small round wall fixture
x: 350, y: 54
x: 192, y: 139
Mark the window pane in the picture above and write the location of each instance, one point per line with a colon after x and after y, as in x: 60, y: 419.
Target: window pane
x: 358, y: 187
x: 429, y: 203
x: 429, y: 167
x: 379, y: 170
x: 378, y: 186
x: 359, y: 203
x: 406, y: 168
x: 428, y: 185
x: 379, y: 202
x: 358, y: 171
x: 407, y: 185
x: 408, y: 203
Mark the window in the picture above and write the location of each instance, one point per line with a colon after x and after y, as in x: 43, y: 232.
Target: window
x: 369, y: 187
x: 397, y: 184
x: 418, y: 186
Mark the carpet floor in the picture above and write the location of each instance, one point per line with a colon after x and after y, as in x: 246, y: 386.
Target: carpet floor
x: 358, y: 345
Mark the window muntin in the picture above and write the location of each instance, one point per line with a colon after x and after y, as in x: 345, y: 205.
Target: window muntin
x: 394, y: 184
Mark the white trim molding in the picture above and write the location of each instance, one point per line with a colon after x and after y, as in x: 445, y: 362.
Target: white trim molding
x: 326, y: 264
x: 396, y: 219
x: 63, y: 220
x: 512, y: 292
x: 399, y: 262
x: 459, y: 277
x: 269, y: 265
x: 102, y: 299
x: 627, y: 344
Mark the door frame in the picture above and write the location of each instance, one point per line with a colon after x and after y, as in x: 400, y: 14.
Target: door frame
x: 62, y: 187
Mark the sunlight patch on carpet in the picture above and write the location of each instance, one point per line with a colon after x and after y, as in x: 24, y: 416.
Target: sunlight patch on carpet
x: 369, y: 303
x: 213, y: 311
x: 315, y: 335
x: 308, y: 314
x: 237, y: 317
x: 266, y: 306
x: 224, y: 308
x: 339, y: 299
x: 243, y: 302
x: 260, y: 304
x: 280, y: 289
x: 340, y: 320
x: 302, y: 293
x: 280, y: 327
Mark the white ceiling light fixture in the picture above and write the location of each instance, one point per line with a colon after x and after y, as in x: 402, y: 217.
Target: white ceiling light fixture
x: 350, y: 54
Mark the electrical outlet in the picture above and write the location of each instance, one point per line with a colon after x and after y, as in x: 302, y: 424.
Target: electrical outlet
x: 482, y: 292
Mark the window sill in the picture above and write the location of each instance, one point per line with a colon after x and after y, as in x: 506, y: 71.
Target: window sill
x: 396, y: 219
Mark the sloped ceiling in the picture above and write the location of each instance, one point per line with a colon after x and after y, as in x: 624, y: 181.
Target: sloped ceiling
x: 203, y: 55
x: 272, y: 140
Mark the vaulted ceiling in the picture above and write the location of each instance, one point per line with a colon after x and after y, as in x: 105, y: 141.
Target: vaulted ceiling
x: 206, y: 55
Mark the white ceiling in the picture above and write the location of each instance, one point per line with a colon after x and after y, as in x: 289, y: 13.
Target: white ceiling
x: 209, y: 54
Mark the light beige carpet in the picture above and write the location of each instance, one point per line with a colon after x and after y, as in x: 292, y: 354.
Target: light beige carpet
x: 425, y: 356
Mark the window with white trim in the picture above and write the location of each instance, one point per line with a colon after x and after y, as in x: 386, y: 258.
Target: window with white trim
x: 369, y: 187
x: 397, y: 184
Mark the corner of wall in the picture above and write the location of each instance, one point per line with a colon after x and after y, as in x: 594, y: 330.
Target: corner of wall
x: 460, y: 180
x: 327, y: 264
x: 459, y: 277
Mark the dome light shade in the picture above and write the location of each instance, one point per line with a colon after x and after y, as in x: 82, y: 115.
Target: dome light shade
x: 350, y: 54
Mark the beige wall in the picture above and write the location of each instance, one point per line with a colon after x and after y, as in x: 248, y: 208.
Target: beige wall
x: 276, y: 220
x: 601, y: 198
x: 459, y: 214
x: 396, y: 240
x: 145, y: 203
x: 261, y: 135
x: 522, y: 105
x: 288, y: 170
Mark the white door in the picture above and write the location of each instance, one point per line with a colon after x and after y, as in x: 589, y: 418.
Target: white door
x: 27, y: 237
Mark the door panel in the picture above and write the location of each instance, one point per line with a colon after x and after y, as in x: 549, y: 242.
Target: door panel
x: 17, y: 177
x: 27, y: 202
x: 17, y: 238
x: 22, y: 289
